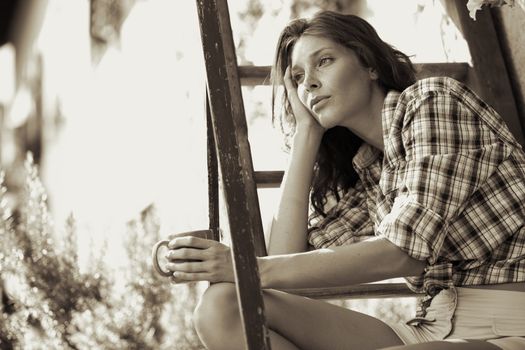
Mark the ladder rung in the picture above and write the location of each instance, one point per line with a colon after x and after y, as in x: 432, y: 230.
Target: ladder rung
x: 254, y: 75
x: 361, y: 291
x: 260, y: 75
x: 269, y: 179
x: 458, y: 71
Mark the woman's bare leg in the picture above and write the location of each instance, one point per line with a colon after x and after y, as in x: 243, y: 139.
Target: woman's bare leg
x: 294, y: 322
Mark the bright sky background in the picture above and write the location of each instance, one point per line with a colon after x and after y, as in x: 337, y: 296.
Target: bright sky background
x: 133, y: 130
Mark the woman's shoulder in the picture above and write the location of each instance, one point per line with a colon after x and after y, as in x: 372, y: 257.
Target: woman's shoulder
x: 437, y: 97
x: 401, y: 104
x: 440, y: 85
x: 443, y: 92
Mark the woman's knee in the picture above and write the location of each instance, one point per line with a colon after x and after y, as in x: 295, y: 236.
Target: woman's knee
x: 217, y: 310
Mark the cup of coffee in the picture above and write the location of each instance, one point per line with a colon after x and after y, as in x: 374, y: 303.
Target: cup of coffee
x: 160, y: 249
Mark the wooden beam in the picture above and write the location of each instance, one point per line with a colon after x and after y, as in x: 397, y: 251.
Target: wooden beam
x: 260, y: 75
x: 229, y: 125
x: 458, y: 71
x: 361, y: 291
x: 491, y: 78
x: 255, y: 75
x: 213, y: 175
x: 269, y: 179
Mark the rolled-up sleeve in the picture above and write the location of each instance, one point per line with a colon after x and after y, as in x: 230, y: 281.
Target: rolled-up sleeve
x: 447, y: 154
x: 415, y: 229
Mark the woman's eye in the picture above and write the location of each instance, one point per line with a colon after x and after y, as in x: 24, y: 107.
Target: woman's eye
x: 325, y: 60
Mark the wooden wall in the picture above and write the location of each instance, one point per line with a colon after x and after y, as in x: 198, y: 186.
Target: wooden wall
x: 510, y: 23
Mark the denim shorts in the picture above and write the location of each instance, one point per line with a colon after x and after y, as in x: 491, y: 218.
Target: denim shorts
x: 497, y: 316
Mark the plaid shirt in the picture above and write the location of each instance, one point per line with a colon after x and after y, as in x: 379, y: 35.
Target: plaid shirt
x: 449, y: 188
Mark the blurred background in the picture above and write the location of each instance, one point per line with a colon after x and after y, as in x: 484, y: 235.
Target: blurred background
x: 107, y: 96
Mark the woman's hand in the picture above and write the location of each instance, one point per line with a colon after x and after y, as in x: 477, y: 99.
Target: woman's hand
x: 212, y: 260
x: 303, y: 117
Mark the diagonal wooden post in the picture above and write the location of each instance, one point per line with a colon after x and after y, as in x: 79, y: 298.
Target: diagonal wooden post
x: 213, y: 175
x: 229, y: 125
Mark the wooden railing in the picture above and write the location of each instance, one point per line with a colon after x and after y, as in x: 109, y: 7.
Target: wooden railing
x: 360, y: 291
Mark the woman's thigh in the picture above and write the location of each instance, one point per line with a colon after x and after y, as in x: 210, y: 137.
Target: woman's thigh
x: 315, y: 324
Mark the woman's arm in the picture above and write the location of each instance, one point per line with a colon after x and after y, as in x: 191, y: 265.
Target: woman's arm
x: 373, y: 260
x: 288, y: 230
x: 289, y: 225
x: 369, y: 261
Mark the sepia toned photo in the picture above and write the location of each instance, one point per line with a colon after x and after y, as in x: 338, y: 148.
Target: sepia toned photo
x: 251, y: 174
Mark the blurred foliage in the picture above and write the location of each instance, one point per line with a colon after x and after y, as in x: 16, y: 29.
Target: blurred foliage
x: 49, y: 303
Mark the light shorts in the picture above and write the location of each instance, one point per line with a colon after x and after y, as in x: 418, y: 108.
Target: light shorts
x: 497, y: 316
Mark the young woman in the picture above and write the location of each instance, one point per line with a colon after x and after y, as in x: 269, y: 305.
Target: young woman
x: 416, y: 179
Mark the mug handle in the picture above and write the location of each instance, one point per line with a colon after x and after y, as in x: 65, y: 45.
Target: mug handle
x: 154, y: 253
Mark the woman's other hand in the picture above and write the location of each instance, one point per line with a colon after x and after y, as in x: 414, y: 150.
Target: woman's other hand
x: 209, y: 260
x: 303, y: 117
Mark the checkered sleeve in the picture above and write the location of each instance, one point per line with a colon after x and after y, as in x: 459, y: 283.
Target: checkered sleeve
x: 447, y: 152
x: 346, y: 222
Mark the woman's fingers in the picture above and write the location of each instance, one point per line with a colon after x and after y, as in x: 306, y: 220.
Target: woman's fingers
x: 197, y: 271
x: 185, y: 254
x: 193, y: 248
x: 186, y: 277
x: 196, y: 266
x: 302, y: 115
x: 208, y: 260
x: 288, y: 82
x: 190, y: 241
x: 291, y: 89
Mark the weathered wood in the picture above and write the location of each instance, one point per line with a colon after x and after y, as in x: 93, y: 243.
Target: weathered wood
x: 361, y: 291
x: 255, y: 75
x: 458, y: 71
x: 213, y: 175
x: 269, y: 179
x: 490, y: 78
x: 260, y: 75
x: 229, y: 125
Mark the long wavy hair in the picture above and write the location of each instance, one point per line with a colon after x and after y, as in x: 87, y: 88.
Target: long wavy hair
x: 333, y: 170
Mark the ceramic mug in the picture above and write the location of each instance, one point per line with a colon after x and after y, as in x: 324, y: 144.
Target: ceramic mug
x: 161, y: 247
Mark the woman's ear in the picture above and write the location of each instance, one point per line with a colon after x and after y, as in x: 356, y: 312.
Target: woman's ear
x: 373, y: 74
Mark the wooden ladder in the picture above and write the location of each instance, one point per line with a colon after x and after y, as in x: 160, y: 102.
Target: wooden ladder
x: 228, y: 146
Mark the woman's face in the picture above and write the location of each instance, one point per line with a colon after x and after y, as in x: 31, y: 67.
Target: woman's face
x: 331, y: 82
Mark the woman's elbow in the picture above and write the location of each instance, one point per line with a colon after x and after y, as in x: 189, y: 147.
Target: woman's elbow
x: 412, y: 266
x: 402, y: 264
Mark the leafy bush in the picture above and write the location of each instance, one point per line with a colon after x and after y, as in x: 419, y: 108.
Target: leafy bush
x: 48, y: 303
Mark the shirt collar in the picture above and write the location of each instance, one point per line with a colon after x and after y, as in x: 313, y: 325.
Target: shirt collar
x: 367, y: 154
x: 387, y: 113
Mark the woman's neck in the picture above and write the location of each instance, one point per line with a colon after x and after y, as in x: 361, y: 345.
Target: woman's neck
x: 369, y: 125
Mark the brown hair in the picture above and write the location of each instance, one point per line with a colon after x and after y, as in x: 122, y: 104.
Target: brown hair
x: 333, y: 171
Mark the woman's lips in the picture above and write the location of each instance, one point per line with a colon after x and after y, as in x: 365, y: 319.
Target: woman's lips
x: 316, y: 105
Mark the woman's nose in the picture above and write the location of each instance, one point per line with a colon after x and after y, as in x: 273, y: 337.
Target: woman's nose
x: 311, y: 82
